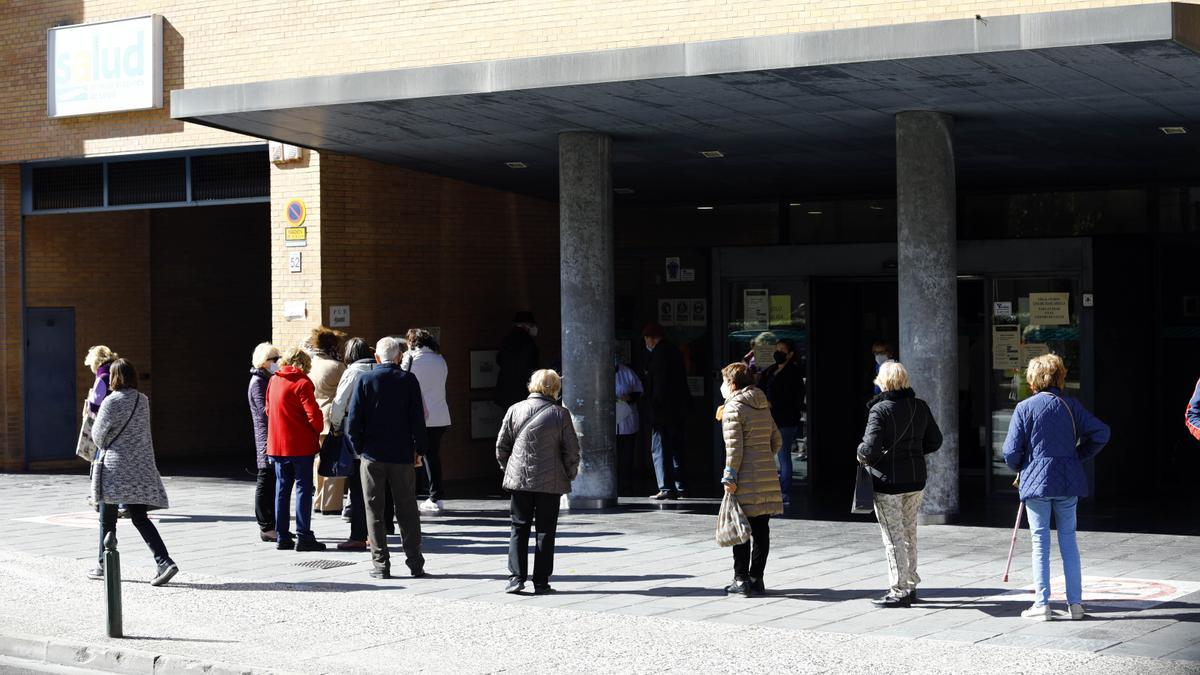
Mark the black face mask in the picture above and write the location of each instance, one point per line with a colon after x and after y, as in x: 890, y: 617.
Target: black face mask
x: 780, y: 358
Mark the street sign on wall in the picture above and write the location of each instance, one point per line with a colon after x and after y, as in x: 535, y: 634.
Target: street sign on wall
x: 104, y: 67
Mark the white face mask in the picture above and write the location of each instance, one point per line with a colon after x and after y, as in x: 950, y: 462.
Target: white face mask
x: 272, y: 367
x: 881, y: 359
x: 533, y: 331
x: 725, y: 393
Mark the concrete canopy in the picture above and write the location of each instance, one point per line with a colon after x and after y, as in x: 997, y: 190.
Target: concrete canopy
x: 1058, y: 98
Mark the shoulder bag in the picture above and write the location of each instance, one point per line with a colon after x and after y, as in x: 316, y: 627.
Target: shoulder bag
x: 864, y: 486
x: 85, y: 447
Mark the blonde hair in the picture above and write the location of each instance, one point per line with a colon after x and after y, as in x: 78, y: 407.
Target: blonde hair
x: 98, y: 356
x: 892, y: 376
x: 263, y: 353
x: 298, y: 358
x: 546, y: 382
x: 1045, y: 371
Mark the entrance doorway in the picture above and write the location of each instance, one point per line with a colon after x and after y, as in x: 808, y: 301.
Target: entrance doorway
x: 50, y: 363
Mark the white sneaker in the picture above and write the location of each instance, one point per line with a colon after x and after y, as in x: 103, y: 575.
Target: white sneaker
x: 1038, y: 613
x: 430, y: 506
x: 1076, y: 611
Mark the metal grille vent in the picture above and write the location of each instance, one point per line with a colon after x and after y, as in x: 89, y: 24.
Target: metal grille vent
x: 323, y: 564
x: 147, y: 181
x: 237, y: 175
x: 68, y: 187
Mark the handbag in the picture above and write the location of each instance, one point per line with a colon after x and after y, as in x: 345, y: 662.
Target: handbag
x: 335, y: 460
x: 864, y: 491
x: 732, y: 526
x: 85, y: 447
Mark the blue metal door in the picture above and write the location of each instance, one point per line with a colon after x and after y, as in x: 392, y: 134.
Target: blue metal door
x: 51, y: 406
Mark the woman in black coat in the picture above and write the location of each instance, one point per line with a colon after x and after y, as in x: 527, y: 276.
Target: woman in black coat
x: 900, y: 432
x: 264, y: 361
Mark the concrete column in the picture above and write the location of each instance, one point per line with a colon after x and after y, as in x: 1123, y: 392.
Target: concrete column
x: 586, y: 281
x: 928, y: 269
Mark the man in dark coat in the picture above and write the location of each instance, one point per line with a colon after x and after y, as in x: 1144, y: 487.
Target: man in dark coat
x: 670, y: 401
x: 518, y: 358
x: 385, y: 425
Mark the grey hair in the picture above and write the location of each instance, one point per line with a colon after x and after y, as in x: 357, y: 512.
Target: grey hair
x: 388, y: 349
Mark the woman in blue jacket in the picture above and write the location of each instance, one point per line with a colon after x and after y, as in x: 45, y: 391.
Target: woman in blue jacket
x: 1049, y: 439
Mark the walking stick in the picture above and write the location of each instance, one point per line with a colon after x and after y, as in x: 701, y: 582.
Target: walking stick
x: 1013, y: 544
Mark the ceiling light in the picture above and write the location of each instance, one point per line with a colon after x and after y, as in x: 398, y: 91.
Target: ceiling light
x: 623, y: 191
x: 815, y: 213
x: 712, y: 154
x: 516, y: 165
x: 875, y: 208
x: 1172, y: 131
x: 705, y: 208
x: 794, y: 204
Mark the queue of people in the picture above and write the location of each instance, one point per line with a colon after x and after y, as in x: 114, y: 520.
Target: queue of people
x: 389, y: 405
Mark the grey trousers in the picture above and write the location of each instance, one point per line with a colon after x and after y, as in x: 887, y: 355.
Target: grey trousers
x: 377, y: 479
x: 897, y: 515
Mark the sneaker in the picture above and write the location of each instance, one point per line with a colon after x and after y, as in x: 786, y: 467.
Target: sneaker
x: 661, y: 495
x: 418, y: 573
x: 96, y: 574
x: 269, y: 536
x: 757, y: 586
x: 1038, y: 613
x: 1076, y: 611
x: 740, y: 587
x: 285, y: 544
x: 678, y: 494
x: 165, y: 572
x: 353, y: 545
x: 542, y: 589
x: 514, y: 586
x: 380, y: 573
x: 346, y: 513
x: 430, y: 506
x: 890, y: 601
x: 310, y: 545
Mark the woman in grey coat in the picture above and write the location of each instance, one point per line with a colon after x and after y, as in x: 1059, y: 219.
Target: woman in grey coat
x: 539, y: 453
x: 124, y: 471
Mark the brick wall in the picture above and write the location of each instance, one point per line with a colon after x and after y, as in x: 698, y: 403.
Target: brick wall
x: 301, y: 181
x: 12, y: 442
x: 406, y: 249
x: 212, y: 42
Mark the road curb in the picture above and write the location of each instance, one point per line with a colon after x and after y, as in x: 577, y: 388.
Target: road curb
x: 115, y: 659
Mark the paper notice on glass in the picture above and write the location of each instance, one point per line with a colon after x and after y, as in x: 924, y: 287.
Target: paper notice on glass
x: 683, y: 312
x: 696, y: 386
x: 666, y: 312
x: 1032, y: 350
x: 764, y: 356
x: 756, y: 308
x: 699, y: 312
x: 1049, y: 309
x: 781, y: 310
x: 1006, y: 347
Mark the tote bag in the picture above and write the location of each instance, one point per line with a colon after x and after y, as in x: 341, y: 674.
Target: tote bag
x: 864, y: 492
x: 732, y: 526
x: 85, y: 447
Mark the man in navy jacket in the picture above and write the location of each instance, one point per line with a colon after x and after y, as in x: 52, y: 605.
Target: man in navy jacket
x: 385, y: 425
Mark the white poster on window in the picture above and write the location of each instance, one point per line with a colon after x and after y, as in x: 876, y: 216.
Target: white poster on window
x: 104, y: 67
x: 756, y: 309
x: 1050, y: 309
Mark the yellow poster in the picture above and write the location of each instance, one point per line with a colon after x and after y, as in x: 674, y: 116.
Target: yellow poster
x: 1006, y: 347
x: 781, y: 310
x: 1049, y: 309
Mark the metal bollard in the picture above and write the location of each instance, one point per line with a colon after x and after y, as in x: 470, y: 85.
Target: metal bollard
x: 112, y: 584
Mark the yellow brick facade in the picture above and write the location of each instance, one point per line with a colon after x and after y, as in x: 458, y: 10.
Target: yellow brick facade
x: 215, y: 42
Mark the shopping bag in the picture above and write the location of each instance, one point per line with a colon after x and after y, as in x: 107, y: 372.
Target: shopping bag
x: 864, y: 492
x: 335, y: 460
x: 85, y: 447
x: 732, y: 526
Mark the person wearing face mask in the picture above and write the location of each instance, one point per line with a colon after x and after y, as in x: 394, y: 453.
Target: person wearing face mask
x: 264, y: 362
x: 629, y: 390
x: 883, y: 352
x: 517, y: 358
x: 783, y: 383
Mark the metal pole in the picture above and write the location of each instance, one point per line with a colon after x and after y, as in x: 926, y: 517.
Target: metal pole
x: 112, y: 584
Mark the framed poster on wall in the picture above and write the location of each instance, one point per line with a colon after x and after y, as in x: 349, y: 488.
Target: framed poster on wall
x: 484, y: 369
x: 486, y: 417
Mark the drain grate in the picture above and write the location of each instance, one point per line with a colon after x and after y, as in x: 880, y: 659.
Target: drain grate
x: 323, y: 564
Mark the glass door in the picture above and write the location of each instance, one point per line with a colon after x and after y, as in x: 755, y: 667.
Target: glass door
x: 1030, y: 317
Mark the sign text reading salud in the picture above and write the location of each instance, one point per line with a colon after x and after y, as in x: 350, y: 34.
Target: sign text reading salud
x: 104, y: 67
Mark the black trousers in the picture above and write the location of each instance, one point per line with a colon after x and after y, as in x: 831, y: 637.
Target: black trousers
x: 137, y: 513
x: 430, y: 478
x: 626, y: 445
x: 539, y: 509
x: 264, y: 498
x: 749, y: 564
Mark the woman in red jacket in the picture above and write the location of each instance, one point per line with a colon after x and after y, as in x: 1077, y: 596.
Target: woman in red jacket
x: 295, y: 424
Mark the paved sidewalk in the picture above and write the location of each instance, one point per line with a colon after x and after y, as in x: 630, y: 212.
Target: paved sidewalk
x: 639, y: 591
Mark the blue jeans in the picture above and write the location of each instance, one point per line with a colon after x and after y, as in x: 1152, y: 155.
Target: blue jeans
x: 1063, y: 508
x: 785, y: 461
x: 666, y: 446
x: 289, y: 470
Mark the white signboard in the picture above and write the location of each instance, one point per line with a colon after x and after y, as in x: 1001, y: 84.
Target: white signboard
x: 756, y: 304
x: 104, y: 67
x: 339, y: 316
x: 295, y: 310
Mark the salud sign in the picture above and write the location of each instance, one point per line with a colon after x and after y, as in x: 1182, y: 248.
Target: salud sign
x: 104, y: 67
